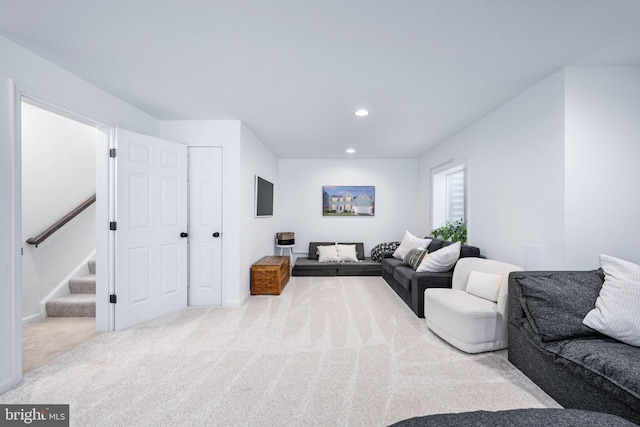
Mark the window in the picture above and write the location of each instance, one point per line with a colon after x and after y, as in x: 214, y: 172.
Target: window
x: 449, y: 197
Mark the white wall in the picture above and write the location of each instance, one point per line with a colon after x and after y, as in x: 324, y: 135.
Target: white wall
x: 602, y: 165
x: 47, y: 82
x: 257, y: 234
x: 23, y: 72
x: 58, y: 173
x: 299, y: 195
x: 516, y: 171
x: 556, y: 167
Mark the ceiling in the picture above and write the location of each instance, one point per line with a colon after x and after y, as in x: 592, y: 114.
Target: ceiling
x: 294, y: 71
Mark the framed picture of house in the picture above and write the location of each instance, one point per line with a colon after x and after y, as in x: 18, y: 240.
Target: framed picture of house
x: 348, y: 200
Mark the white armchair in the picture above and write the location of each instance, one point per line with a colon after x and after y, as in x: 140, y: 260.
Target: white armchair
x: 472, y: 315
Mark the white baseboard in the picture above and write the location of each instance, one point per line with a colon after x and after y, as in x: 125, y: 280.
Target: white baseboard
x: 236, y: 303
x: 32, y: 318
x: 9, y: 384
x: 62, y: 288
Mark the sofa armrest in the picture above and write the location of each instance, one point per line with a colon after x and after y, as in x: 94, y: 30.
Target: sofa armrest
x: 432, y: 280
x: 514, y: 307
x: 422, y: 281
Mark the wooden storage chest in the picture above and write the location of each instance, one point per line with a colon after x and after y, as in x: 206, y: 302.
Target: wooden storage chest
x: 270, y: 275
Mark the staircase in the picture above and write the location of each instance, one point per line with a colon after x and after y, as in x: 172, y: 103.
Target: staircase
x: 81, y: 302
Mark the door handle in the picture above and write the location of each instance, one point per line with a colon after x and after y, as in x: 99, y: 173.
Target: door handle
x: 216, y: 234
x: 183, y: 234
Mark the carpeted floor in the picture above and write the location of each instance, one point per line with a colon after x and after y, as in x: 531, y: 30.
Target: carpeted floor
x: 50, y: 338
x: 328, y: 351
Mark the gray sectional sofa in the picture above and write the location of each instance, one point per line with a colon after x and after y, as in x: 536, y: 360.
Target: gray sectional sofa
x: 410, y: 285
x: 529, y: 417
x: 310, y: 266
x: 577, y: 366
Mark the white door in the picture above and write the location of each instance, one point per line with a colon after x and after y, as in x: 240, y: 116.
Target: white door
x: 151, y: 214
x: 205, y: 222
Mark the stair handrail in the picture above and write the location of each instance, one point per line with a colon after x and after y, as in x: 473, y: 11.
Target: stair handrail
x: 62, y: 221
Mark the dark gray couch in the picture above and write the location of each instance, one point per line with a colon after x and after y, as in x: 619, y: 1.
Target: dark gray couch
x: 410, y: 285
x: 530, y: 417
x: 310, y: 266
x: 577, y: 366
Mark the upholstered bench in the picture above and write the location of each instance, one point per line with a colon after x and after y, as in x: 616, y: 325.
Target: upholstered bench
x: 311, y: 266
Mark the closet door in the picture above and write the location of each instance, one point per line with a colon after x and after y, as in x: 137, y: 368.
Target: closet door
x: 205, y: 225
x: 151, y: 235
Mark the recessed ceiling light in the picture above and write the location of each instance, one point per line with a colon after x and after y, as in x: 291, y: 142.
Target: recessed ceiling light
x: 351, y: 150
x: 361, y: 113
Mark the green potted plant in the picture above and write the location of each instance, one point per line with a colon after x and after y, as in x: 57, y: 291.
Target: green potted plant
x: 455, y: 231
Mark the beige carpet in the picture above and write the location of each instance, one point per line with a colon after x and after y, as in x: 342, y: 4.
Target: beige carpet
x: 328, y: 351
x: 50, y: 338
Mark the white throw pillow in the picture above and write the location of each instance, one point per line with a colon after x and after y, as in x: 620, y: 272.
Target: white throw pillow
x: 409, y: 241
x: 441, y: 260
x: 484, y: 285
x: 347, y: 253
x: 617, y: 311
x: 328, y: 253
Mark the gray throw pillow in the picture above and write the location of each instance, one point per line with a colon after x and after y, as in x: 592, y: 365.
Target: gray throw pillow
x: 555, y: 303
x: 414, y: 257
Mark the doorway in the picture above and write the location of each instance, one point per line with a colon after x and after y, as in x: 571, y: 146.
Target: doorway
x: 58, y: 174
x: 105, y: 213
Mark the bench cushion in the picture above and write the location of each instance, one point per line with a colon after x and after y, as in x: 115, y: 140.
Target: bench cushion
x: 403, y: 275
x: 605, y: 363
x: 313, y: 248
x: 390, y: 264
x: 309, y: 264
x: 367, y: 267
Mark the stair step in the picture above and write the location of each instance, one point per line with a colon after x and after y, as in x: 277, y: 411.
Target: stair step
x: 92, y: 266
x: 83, y: 284
x: 72, y: 305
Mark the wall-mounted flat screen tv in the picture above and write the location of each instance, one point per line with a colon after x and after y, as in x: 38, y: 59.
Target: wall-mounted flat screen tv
x: 264, y: 197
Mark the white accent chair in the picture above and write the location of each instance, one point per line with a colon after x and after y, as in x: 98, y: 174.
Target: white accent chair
x: 466, y: 321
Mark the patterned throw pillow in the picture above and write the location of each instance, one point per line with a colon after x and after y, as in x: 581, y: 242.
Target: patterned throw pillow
x: 414, y: 257
x: 380, y: 249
